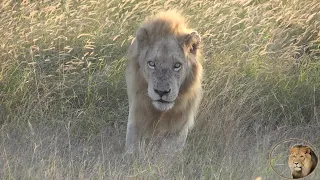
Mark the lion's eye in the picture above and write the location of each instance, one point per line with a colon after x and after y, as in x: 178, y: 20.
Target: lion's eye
x: 177, y: 66
x: 151, y: 64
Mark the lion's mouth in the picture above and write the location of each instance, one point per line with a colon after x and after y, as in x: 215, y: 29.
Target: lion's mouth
x: 163, y: 101
x: 163, y: 105
x: 297, y: 168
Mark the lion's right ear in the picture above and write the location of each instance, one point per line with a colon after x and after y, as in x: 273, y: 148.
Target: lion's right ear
x: 142, y: 37
x: 291, y: 150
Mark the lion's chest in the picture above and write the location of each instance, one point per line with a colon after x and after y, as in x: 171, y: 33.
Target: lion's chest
x: 159, y: 124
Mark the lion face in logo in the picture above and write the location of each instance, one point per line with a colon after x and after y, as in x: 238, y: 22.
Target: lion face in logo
x: 302, y: 161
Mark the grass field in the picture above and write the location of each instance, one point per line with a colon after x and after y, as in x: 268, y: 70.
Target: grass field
x: 63, y: 102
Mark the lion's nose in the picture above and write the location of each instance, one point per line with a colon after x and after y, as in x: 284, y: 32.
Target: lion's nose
x: 162, y: 93
x: 296, y: 163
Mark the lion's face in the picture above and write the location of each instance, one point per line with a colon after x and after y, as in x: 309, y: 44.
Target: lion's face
x: 164, y: 66
x: 300, y: 159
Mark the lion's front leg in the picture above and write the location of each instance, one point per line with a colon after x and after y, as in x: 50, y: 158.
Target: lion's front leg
x: 174, y: 142
x: 132, y: 138
x: 133, y: 134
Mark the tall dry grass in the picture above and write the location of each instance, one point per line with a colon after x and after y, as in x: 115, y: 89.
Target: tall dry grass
x: 63, y: 105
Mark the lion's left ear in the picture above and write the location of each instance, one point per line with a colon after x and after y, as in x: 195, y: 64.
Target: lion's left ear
x: 192, y: 42
x: 308, y: 150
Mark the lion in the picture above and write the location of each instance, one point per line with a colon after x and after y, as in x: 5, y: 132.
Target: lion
x: 163, y: 78
x: 302, y: 161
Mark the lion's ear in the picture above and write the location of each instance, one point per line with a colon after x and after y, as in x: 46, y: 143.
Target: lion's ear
x: 142, y: 37
x: 192, y: 42
x: 291, y: 150
x: 308, y: 150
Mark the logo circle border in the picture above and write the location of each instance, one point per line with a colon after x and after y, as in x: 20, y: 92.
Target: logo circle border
x: 287, y: 140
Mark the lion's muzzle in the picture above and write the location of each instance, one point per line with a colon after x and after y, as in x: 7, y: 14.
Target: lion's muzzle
x: 163, y: 96
x: 162, y: 93
x: 297, y: 166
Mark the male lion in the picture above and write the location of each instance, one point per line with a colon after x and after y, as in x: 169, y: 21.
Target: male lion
x: 302, y: 161
x: 163, y: 79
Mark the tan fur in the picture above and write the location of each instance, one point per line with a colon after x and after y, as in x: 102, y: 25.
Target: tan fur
x: 302, y: 161
x: 163, y: 37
